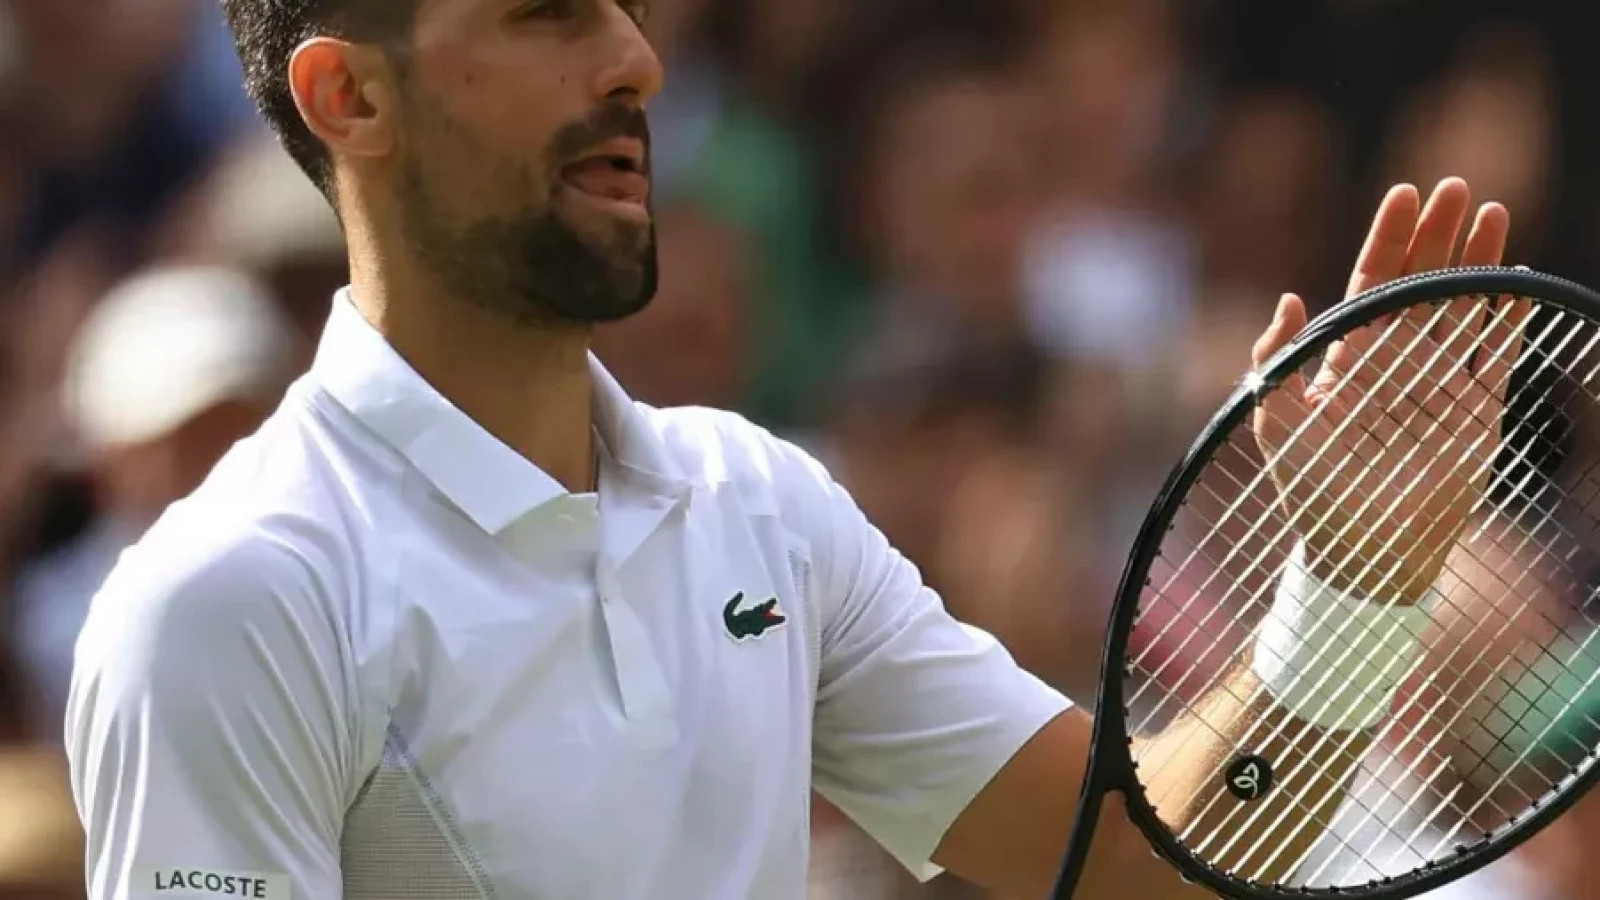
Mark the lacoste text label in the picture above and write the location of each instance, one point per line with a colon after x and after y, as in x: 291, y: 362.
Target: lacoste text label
x: 181, y: 882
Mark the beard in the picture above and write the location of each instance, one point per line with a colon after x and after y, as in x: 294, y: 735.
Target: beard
x: 532, y: 265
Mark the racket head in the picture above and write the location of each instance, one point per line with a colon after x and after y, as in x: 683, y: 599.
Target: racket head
x: 1133, y: 658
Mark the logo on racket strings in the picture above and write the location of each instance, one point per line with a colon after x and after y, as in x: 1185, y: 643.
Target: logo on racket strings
x: 1249, y: 777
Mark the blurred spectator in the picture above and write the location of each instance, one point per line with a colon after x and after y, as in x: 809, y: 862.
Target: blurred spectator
x: 1018, y: 559
x: 1489, y: 118
x: 116, y: 105
x: 905, y: 432
x: 257, y: 212
x: 1108, y: 75
x: 691, y: 346
x: 945, y: 194
x: 1268, y: 202
x: 1110, y: 268
x: 939, y: 188
x: 38, y: 506
x: 755, y: 170
x: 41, y: 843
x: 171, y: 369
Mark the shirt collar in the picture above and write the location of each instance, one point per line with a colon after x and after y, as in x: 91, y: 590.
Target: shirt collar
x: 491, y: 483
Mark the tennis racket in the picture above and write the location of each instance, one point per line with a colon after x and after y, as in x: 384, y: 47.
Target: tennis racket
x: 1447, y: 423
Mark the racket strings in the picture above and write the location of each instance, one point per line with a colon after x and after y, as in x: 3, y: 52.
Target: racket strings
x: 1463, y: 816
x: 1323, y: 740
x: 1262, y: 476
x: 1502, y: 735
x: 1343, y: 749
x: 1350, y: 756
x: 1528, y: 535
x: 1262, y: 545
x: 1218, y: 568
x: 1446, y: 840
x: 1502, y: 778
x: 1183, y: 610
x: 1255, y: 601
x: 1270, y: 511
x: 1218, y: 831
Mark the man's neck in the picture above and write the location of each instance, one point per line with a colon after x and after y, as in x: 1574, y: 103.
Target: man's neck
x: 528, y: 387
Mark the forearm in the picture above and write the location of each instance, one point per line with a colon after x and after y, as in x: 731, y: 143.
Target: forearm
x: 1263, y: 838
x: 1301, y: 704
x: 1185, y: 770
x: 1303, y: 700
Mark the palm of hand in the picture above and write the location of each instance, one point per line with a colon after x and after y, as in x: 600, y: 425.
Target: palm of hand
x: 1380, y: 459
x: 1384, y: 456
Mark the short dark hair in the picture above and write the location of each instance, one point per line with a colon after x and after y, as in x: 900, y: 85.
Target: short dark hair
x: 266, y: 34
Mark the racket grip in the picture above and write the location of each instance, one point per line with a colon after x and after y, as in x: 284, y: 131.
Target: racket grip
x: 1331, y: 658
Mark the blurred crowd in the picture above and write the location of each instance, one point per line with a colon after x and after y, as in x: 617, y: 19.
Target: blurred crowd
x: 994, y: 261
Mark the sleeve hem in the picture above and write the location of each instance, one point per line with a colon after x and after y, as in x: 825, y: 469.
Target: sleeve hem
x: 1039, y: 708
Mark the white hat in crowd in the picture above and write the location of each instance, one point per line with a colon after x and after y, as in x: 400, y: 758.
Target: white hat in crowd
x: 166, y: 345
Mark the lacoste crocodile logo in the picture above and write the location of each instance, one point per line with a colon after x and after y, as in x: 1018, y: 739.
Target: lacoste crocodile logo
x: 751, y: 622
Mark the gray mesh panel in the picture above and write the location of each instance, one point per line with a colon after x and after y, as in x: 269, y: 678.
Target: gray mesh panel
x: 800, y: 571
x: 400, y: 842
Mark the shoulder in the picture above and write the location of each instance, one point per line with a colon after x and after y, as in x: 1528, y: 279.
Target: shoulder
x: 263, y: 541
x: 197, y: 581
x: 719, y: 448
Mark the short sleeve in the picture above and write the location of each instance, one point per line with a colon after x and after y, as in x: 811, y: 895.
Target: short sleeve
x: 916, y: 712
x: 207, y: 729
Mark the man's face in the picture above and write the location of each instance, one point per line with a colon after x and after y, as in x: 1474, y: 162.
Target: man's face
x: 523, y: 182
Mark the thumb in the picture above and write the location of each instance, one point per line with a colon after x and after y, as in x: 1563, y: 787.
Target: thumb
x: 1282, y: 405
x: 1287, y: 321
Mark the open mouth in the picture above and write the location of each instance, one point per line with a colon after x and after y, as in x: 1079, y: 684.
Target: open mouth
x: 615, y: 171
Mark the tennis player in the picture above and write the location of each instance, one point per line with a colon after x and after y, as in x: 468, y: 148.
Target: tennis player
x: 463, y: 621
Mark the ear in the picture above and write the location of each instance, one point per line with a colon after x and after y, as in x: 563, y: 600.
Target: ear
x: 346, y: 95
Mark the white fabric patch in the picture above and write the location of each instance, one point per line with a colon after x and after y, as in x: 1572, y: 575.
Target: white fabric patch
x: 182, y: 881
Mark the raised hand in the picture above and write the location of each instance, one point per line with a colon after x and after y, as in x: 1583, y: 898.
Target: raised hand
x: 1405, y: 457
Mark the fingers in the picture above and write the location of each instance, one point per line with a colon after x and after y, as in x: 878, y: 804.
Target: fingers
x: 1486, y: 242
x: 1486, y: 246
x: 1433, y: 246
x: 1383, y: 256
x: 1460, y: 329
x: 1382, y: 260
x: 1456, y: 331
x: 1506, y: 318
x: 1287, y: 320
x: 1408, y: 238
x: 1283, y: 407
x: 1502, y: 344
x: 1434, y: 242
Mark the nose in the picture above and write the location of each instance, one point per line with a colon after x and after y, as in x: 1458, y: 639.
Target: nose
x: 633, y: 70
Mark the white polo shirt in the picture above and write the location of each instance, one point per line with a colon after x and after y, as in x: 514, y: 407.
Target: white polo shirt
x: 380, y: 655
